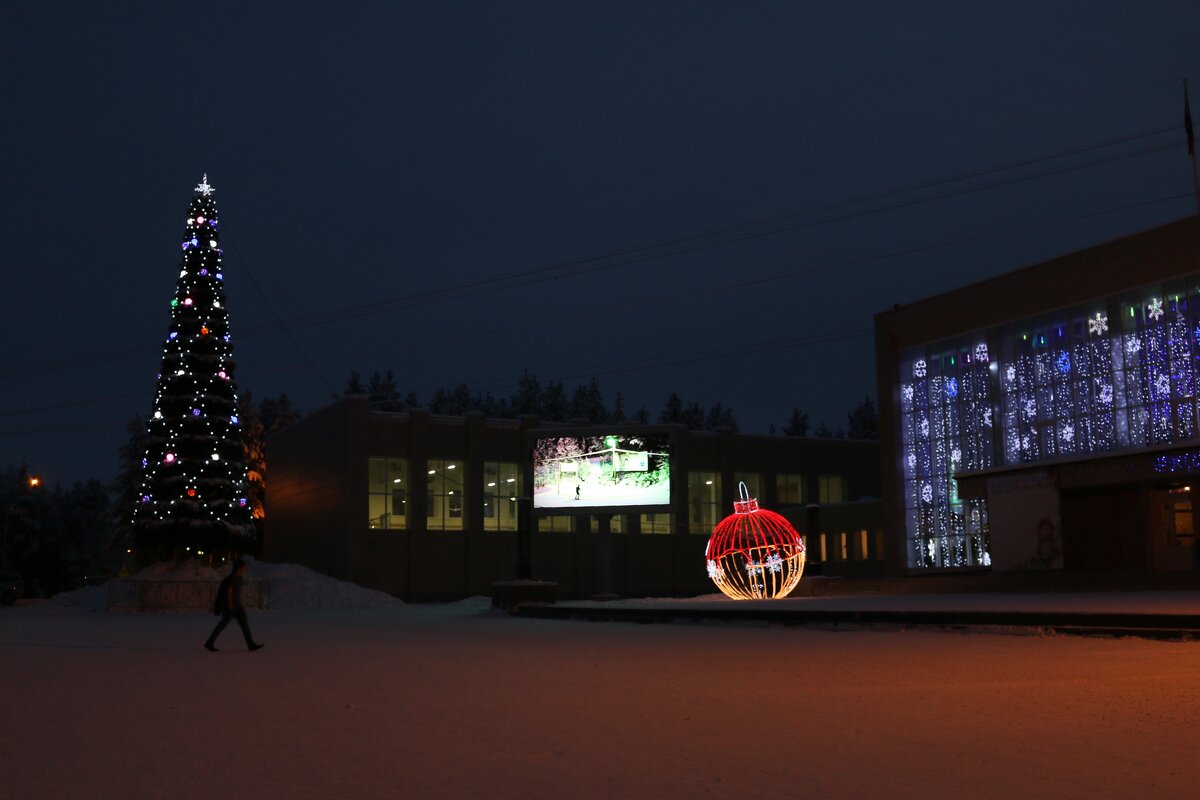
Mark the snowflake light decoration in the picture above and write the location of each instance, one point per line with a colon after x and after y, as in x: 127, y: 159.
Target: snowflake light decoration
x: 1155, y: 309
x: 754, y: 554
x: 1098, y: 325
x: 981, y: 352
x: 927, y: 492
x: 1133, y: 344
x: 956, y: 456
x: 1162, y: 385
x: 924, y: 428
x: 911, y: 461
x: 1010, y: 374
x: 906, y: 392
x: 1063, y: 362
x: 1067, y: 433
x: 1029, y: 406
x: 919, y: 368
x: 1105, y: 395
x: 986, y: 560
x: 952, y: 388
x: 987, y: 417
x: 1026, y: 442
x: 931, y: 548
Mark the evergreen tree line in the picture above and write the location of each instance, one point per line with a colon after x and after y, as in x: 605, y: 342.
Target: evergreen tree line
x: 54, y: 537
x: 551, y: 401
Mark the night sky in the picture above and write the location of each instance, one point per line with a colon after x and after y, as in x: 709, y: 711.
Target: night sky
x: 420, y: 187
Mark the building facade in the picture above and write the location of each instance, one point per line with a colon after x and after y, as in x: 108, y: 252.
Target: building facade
x: 435, y: 507
x: 1047, y: 419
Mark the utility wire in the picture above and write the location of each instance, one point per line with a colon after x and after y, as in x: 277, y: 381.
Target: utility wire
x: 284, y: 329
x: 520, y: 278
x: 690, y: 356
x: 590, y: 265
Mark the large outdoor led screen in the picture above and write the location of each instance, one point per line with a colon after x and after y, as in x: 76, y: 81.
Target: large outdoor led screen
x: 572, y: 472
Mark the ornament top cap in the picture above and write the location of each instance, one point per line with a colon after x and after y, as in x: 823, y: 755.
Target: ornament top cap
x: 204, y: 188
x: 748, y: 504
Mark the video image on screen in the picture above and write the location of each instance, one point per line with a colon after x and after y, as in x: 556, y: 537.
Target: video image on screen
x: 601, y: 471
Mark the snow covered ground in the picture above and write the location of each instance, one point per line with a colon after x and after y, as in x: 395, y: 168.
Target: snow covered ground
x: 455, y: 701
x: 1177, y: 602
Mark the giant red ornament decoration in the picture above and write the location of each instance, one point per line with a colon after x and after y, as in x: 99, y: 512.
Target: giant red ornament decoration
x: 754, y: 554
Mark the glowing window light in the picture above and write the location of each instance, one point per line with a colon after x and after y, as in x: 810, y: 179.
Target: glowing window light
x: 754, y: 554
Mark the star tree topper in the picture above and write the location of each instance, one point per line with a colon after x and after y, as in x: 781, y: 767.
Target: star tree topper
x: 204, y: 188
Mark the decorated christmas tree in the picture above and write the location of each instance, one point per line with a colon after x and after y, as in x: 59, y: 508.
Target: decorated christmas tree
x: 194, y: 492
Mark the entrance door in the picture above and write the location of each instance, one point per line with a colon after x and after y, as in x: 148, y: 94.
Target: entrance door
x: 1175, y: 531
x: 1105, y: 531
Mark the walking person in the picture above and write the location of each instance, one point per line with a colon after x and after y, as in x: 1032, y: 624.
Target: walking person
x: 229, y: 605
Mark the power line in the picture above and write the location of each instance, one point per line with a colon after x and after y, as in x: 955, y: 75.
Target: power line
x: 524, y: 277
x: 284, y: 329
x: 693, y: 293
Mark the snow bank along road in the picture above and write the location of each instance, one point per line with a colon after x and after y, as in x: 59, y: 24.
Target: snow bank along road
x: 455, y: 702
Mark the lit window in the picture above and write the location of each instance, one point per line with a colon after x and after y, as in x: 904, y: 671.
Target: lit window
x: 753, y: 482
x: 789, y: 490
x: 445, y: 495
x: 704, y: 499
x: 556, y: 523
x: 387, y: 493
x: 501, y: 493
x: 830, y: 489
x: 656, y: 523
x: 616, y: 524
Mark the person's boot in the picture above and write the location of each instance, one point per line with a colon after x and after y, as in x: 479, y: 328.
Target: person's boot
x: 209, y: 647
x: 255, y: 646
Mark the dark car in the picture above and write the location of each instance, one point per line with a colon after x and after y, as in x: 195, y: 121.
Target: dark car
x: 11, y: 588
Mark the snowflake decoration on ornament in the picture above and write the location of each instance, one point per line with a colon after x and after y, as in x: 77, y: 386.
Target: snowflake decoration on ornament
x: 775, y: 562
x: 753, y: 567
x: 919, y: 368
x: 1098, y: 324
x: 204, y: 188
x: 1155, y: 309
x: 714, y: 570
